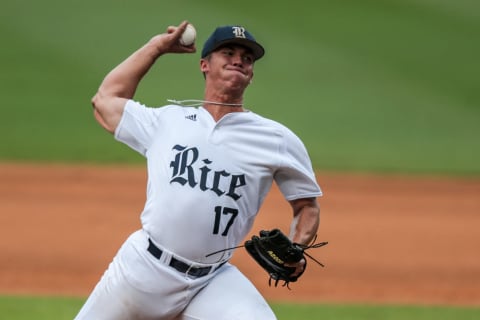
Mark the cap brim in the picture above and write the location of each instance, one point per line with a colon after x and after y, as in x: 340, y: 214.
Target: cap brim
x: 257, y: 50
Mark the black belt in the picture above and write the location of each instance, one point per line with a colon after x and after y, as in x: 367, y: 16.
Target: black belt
x: 181, y: 266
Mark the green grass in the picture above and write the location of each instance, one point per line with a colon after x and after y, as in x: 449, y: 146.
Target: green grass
x: 39, y: 308
x: 370, y: 312
x: 368, y: 85
x: 63, y: 308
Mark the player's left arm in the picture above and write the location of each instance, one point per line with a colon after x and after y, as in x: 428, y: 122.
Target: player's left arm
x: 304, y: 227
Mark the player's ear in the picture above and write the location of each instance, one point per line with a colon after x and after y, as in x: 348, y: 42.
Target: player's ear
x: 203, y: 65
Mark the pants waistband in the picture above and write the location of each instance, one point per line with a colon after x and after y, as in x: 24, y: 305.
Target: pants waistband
x: 181, y: 266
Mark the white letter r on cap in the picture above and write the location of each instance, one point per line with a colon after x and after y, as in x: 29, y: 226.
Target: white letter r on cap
x: 239, y: 32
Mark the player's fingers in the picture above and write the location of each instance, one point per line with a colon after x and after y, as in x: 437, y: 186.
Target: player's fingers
x: 170, y: 41
x: 177, y: 29
x: 177, y: 34
x: 299, y: 267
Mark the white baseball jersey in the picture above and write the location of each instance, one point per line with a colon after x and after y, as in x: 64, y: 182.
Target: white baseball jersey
x: 208, y: 179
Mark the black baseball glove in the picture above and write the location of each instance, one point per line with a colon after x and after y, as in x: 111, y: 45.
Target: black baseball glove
x: 272, y: 250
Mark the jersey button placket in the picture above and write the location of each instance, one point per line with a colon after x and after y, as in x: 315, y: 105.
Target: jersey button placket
x: 215, y: 135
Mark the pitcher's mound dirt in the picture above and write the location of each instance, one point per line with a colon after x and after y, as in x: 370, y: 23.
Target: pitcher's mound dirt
x: 392, y: 239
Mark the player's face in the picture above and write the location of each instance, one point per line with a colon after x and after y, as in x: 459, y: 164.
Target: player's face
x: 231, y: 63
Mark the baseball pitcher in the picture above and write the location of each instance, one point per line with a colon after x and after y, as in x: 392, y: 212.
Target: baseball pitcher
x: 210, y: 167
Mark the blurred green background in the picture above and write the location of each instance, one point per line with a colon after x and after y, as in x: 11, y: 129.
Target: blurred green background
x: 372, y: 86
x: 368, y: 85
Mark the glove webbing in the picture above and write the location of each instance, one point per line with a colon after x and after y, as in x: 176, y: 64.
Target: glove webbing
x: 313, y: 245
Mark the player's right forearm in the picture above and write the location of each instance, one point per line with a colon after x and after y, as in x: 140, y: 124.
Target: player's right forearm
x: 120, y: 84
x: 123, y: 80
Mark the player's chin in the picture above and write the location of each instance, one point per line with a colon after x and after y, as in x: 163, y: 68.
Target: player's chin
x: 238, y: 83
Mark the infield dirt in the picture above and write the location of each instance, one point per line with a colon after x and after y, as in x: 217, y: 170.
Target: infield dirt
x: 392, y: 239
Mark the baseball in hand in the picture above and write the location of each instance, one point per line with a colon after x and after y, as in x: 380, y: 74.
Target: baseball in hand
x: 188, y: 36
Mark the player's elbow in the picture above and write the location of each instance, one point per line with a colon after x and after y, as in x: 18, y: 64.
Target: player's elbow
x: 100, y: 111
x: 97, y: 101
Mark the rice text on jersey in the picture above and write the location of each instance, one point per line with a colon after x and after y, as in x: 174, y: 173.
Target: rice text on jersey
x: 184, y: 172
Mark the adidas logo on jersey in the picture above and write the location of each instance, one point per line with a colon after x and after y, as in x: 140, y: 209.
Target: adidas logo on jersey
x: 192, y: 117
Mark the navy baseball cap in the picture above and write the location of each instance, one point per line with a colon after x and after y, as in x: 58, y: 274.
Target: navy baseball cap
x: 235, y: 35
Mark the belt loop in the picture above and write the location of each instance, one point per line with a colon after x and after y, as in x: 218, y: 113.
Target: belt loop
x: 165, y: 258
x: 187, y: 273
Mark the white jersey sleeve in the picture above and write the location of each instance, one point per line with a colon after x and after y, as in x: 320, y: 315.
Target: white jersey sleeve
x: 138, y: 125
x: 295, y: 176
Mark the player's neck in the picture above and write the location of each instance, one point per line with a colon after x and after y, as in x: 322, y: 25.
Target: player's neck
x: 218, y: 111
x: 221, y: 104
